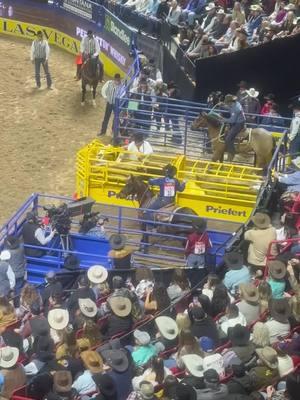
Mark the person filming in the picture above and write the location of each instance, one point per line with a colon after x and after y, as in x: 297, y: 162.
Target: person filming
x: 34, y: 235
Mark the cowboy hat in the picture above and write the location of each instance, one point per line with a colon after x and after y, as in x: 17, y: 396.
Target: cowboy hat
x: 8, y: 356
x: 242, y: 84
x: 269, y: 356
x: 146, y: 390
x: 105, y: 384
x: 58, y: 318
x: 269, y: 96
x: 280, y: 310
x: 252, y: 93
x: 239, y: 335
x: 200, y: 225
x: 261, y: 220
x: 290, y: 7
x: 249, y: 292
x: 62, y: 381
x: 221, y: 11
x: 229, y: 98
x: 211, y: 376
x: 277, y: 269
x: 120, y: 306
x: 167, y: 327
x: 295, y: 102
x: 255, y: 7
x: 234, y: 260
x: 5, y: 255
x: 116, y: 359
x: 194, y: 364
x: 87, y: 307
x: 210, y: 6
x: 117, y: 242
x: 92, y: 361
x: 142, y: 337
x: 97, y: 274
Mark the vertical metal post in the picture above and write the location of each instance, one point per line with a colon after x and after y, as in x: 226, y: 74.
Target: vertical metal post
x: 120, y: 220
x: 185, y: 132
x: 115, y: 126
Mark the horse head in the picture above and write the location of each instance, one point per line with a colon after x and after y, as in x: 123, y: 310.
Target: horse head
x: 200, y: 121
x: 130, y: 188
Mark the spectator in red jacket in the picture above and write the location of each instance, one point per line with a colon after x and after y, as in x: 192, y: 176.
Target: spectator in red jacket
x: 197, y: 245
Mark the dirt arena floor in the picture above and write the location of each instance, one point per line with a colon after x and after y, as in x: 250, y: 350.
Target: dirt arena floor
x: 41, y: 130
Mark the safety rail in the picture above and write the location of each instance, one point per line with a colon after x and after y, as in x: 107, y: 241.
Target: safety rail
x: 282, y: 246
x: 168, y: 122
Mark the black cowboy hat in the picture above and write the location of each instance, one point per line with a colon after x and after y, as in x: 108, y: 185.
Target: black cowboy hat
x: 270, y: 96
x: 200, y: 225
x: 11, y: 242
x: 239, y: 335
x: 280, y: 310
x: 234, y: 260
x: 170, y: 169
x: 117, y: 242
x: 295, y: 102
x: 89, y: 32
x: 105, y: 384
x: 243, y: 84
x: 116, y: 359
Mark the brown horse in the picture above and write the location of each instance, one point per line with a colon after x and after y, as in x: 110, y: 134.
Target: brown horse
x: 91, y: 75
x: 260, y: 140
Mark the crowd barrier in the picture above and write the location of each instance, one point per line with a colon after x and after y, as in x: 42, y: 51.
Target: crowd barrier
x: 214, y: 190
x: 65, y: 22
x: 164, y: 249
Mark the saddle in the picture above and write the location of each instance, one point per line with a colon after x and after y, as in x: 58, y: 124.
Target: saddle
x: 243, y: 136
x: 166, y: 209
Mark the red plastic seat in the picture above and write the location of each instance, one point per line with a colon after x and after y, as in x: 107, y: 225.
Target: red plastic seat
x: 20, y: 394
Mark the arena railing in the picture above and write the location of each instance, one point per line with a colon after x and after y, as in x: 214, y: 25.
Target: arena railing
x: 170, y: 127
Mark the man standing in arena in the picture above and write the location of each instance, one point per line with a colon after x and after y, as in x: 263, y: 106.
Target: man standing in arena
x: 90, y: 48
x: 39, y: 56
x: 110, y: 91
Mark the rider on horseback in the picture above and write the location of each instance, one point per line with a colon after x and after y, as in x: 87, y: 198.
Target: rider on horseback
x: 168, y: 187
x: 90, y: 48
x: 236, y: 121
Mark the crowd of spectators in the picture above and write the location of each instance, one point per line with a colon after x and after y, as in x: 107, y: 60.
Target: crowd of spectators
x: 139, y: 338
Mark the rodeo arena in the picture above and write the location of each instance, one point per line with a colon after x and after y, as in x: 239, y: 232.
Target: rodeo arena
x: 150, y: 207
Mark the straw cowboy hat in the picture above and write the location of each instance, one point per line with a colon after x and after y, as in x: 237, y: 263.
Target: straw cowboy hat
x: 120, y: 306
x: 97, y: 274
x: 87, y: 307
x: 8, y: 356
x: 117, y: 242
x: 229, y: 98
x: 146, y: 390
x: 249, y: 292
x: 92, y: 361
x: 167, y: 327
x: 62, y: 381
x: 252, y: 93
x: 234, y: 260
x: 256, y: 7
x: 277, y: 269
x: 194, y: 364
x: 261, y: 220
x: 269, y: 356
x: 58, y: 318
x: 280, y: 310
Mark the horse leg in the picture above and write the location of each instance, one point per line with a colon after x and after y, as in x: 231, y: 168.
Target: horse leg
x: 144, y: 243
x: 83, y: 91
x: 94, y: 95
x: 218, y: 155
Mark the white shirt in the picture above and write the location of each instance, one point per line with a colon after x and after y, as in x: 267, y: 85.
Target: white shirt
x: 214, y: 361
x: 39, y: 49
x: 90, y: 46
x: 39, y: 234
x: 11, y: 277
x: 230, y: 323
x: 145, y: 148
x: 295, y: 126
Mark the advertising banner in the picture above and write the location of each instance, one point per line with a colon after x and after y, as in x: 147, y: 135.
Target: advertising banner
x: 67, y: 21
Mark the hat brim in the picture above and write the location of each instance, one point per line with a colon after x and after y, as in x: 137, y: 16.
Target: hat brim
x: 163, y: 327
x: 13, y: 361
x: 254, y: 95
x: 92, y: 278
x: 58, y: 325
x: 120, y: 313
x: 89, y: 314
x: 192, y: 367
x: 117, y: 246
x: 259, y: 352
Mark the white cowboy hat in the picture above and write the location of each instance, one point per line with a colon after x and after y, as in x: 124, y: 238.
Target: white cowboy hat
x: 210, y: 6
x: 252, y: 92
x: 97, y: 274
x: 58, y: 318
x: 5, y: 255
x: 255, y: 7
x: 8, y: 356
x: 167, y: 327
x: 194, y: 364
x: 87, y: 307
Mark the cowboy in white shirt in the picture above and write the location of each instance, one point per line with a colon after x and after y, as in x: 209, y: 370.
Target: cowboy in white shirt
x: 89, y: 47
x: 139, y: 146
x: 294, y: 135
x: 39, y: 55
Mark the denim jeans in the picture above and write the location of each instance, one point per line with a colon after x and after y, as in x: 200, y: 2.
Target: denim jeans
x: 37, y: 63
x: 295, y: 146
x: 156, y: 204
x: 234, y: 130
